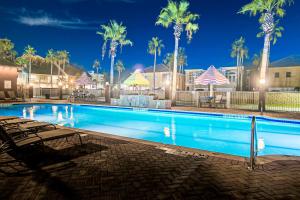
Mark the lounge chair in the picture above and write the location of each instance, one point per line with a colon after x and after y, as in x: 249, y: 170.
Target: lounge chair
x: 15, y: 121
x: 3, y: 96
x: 219, y: 100
x: 205, y: 100
x: 13, y: 96
x: 36, y: 125
x: 4, y: 118
x: 17, y: 142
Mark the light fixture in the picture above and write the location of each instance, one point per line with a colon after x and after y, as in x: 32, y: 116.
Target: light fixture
x: 262, y: 81
x: 167, y: 82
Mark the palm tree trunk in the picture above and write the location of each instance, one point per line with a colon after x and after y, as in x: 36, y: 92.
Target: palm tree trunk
x: 119, y: 79
x: 64, y: 66
x: 51, y: 80
x: 237, y: 72
x: 112, y: 62
x: 97, y: 78
x: 154, y: 70
x: 29, y: 72
x: 263, y: 70
x: 174, y: 75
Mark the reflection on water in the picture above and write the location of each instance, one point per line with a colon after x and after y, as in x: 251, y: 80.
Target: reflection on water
x: 167, y: 132
x: 54, y: 110
x: 173, y: 125
x: 31, y: 113
x: 24, y: 113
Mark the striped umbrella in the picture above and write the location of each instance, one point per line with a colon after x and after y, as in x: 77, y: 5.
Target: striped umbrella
x: 84, y: 80
x: 137, y: 79
x: 211, y: 77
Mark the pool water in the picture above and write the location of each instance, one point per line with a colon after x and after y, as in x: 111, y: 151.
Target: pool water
x: 229, y: 134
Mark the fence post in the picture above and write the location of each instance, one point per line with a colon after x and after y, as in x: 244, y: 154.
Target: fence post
x: 228, y: 99
x: 197, y: 98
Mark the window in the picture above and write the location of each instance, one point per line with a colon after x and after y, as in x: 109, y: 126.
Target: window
x: 288, y: 74
x: 276, y: 75
x: 7, y: 84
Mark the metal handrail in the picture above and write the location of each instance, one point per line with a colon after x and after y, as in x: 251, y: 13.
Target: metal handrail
x: 253, y: 147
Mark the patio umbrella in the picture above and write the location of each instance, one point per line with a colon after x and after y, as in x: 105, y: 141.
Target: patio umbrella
x: 84, y: 80
x: 137, y: 79
x: 211, y: 77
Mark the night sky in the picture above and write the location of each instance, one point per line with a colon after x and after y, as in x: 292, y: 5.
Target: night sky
x: 72, y: 25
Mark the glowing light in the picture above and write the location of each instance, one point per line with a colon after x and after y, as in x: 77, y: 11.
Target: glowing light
x: 262, y: 81
x: 167, y: 82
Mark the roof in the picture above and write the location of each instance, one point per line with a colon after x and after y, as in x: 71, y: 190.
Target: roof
x: 158, y: 68
x: 290, y: 61
x: 46, y: 69
x: 71, y: 69
x: 6, y: 62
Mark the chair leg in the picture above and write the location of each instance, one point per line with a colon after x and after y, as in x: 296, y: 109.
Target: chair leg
x: 80, y: 138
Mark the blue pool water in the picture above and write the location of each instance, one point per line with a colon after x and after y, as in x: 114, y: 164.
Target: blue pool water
x: 227, y: 134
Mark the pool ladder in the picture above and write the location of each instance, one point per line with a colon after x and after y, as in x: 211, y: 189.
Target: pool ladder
x: 253, y: 147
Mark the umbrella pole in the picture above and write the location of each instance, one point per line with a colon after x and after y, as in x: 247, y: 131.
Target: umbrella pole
x: 211, y: 92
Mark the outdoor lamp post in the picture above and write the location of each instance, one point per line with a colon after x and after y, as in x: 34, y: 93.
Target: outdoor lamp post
x: 107, y: 92
x: 262, y: 95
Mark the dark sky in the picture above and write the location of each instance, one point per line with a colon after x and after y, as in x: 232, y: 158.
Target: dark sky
x: 72, y: 25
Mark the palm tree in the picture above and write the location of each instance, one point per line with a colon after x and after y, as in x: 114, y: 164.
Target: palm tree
x: 29, y: 55
x: 96, y: 66
x: 120, y: 68
x: 240, y: 52
x: 7, y: 51
x: 256, y: 60
x: 115, y: 33
x: 178, y: 15
x: 154, y: 48
x: 268, y: 10
x: 182, y: 59
x: 63, y: 59
x: 169, y: 62
x: 50, y: 58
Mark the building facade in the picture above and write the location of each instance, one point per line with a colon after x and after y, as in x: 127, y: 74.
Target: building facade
x: 282, y: 75
x: 8, y: 78
x: 163, y: 77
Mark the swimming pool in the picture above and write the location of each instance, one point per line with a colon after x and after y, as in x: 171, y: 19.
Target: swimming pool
x: 229, y: 134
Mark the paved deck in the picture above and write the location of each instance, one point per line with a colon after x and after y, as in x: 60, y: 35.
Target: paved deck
x: 108, y: 167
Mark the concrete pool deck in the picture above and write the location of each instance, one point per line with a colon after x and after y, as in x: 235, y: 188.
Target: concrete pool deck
x: 113, y: 167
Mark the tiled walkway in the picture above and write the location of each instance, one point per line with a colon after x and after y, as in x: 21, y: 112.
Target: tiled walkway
x: 110, y: 168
